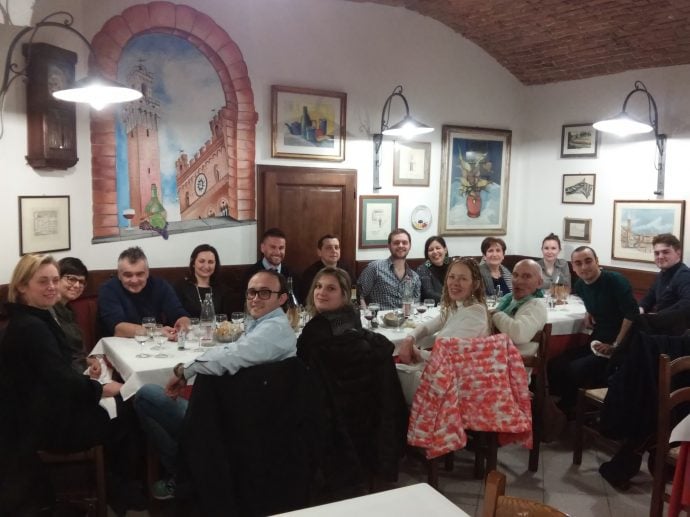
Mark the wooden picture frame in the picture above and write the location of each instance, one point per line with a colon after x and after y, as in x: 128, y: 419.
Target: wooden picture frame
x: 411, y: 164
x: 636, y: 223
x: 378, y: 216
x: 577, y: 230
x: 308, y: 124
x: 474, y: 181
x: 579, y: 141
x: 44, y: 224
x: 578, y: 189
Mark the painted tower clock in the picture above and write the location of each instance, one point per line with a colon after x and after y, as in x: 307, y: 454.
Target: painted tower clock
x: 51, y: 123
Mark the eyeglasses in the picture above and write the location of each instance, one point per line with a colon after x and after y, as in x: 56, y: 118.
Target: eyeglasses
x: 264, y: 294
x: 72, y: 280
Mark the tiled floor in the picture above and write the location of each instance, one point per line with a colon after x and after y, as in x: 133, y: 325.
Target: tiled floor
x: 577, y: 490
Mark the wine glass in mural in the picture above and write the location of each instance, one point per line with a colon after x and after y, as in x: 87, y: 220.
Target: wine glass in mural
x: 128, y: 213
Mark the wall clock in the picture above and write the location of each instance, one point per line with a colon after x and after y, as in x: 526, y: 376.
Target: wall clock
x: 200, y: 184
x: 51, y: 123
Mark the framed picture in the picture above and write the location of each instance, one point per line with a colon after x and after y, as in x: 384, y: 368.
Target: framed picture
x: 636, y: 223
x: 308, y: 124
x: 578, y: 230
x: 579, y: 189
x: 44, y: 224
x: 474, y: 181
x: 378, y: 216
x: 579, y: 141
x: 411, y: 164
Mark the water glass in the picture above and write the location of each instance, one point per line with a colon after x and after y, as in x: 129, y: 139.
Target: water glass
x: 141, y: 336
x: 399, y: 319
x: 237, y: 317
x: 149, y: 323
x: 220, y: 318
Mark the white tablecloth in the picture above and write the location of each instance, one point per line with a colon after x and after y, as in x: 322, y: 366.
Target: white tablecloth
x: 410, y: 501
x: 568, y: 318
x: 137, y: 371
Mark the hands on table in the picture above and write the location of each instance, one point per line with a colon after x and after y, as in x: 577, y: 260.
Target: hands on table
x: 408, y: 353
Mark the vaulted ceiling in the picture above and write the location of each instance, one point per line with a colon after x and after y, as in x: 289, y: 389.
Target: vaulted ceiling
x: 545, y: 41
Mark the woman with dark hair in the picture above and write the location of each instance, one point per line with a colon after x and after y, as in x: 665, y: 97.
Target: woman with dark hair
x: 497, y: 277
x: 433, y: 271
x: 204, y: 269
x: 553, y: 269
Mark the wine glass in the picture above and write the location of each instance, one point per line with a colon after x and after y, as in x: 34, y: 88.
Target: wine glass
x: 159, y: 338
x: 141, y: 336
x: 369, y: 315
x: 220, y: 318
x: 149, y: 323
x: 129, y: 213
x: 399, y: 319
x: 430, y: 303
x: 374, y: 308
x: 421, y: 309
x: 194, y: 334
x: 237, y: 318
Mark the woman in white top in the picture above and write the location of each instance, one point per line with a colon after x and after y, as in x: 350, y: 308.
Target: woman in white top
x: 463, y: 310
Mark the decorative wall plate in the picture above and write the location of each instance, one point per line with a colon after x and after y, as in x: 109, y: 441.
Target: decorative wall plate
x: 421, y: 217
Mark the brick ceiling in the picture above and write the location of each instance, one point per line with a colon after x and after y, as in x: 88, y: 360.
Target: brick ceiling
x: 545, y: 41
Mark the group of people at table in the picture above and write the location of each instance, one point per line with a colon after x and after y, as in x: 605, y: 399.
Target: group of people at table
x: 50, y: 389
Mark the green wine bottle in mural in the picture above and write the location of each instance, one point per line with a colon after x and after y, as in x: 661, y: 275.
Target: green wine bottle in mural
x: 155, y: 211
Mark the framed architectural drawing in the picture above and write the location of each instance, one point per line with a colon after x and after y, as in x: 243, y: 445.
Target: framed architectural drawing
x: 378, y: 216
x: 635, y: 223
x: 44, y: 224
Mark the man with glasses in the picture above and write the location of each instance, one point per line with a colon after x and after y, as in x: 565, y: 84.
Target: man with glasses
x: 268, y: 338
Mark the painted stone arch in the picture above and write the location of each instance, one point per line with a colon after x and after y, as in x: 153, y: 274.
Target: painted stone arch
x: 238, y: 116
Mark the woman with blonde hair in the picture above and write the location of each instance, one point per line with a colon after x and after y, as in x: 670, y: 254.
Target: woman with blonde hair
x: 463, y: 310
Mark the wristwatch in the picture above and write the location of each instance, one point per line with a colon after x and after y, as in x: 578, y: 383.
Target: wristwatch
x: 178, y: 371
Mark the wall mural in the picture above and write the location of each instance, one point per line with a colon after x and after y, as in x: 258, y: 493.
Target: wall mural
x: 182, y: 157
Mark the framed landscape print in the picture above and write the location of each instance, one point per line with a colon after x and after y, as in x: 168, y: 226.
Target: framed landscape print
x: 44, y: 224
x: 307, y: 124
x: 635, y: 223
x: 578, y: 230
x: 579, y: 141
x: 378, y: 216
x: 411, y: 164
x: 474, y: 181
x: 578, y: 189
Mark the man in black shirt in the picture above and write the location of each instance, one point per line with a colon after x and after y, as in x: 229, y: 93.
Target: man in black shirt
x: 671, y: 289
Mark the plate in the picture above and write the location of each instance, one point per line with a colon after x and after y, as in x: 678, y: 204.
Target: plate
x: 421, y: 217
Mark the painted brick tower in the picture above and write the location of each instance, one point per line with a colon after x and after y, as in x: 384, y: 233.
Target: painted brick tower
x: 140, y: 120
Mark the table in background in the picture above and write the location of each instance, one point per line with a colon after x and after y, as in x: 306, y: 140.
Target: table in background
x: 410, y: 501
x: 137, y: 371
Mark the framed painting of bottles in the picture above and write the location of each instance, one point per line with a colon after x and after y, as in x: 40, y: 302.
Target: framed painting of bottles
x: 307, y: 123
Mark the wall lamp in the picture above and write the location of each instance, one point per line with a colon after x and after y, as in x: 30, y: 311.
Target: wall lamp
x: 94, y: 89
x: 624, y: 125
x: 406, y: 128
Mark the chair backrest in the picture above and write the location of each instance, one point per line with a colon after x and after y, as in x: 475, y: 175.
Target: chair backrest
x: 497, y: 504
x: 668, y: 400
x: 86, y: 315
x: 539, y: 359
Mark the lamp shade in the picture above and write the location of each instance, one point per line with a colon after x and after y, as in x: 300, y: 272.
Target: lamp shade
x: 98, y: 92
x: 623, y: 125
x: 407, y: 128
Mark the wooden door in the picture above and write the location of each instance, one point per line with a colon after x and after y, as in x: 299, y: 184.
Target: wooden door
x: 306, y: 203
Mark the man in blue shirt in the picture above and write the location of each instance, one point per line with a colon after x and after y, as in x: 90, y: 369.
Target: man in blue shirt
x: 671, y: 288
x: 268, y: 338
x: 383, y: 281
x: 133, y: 295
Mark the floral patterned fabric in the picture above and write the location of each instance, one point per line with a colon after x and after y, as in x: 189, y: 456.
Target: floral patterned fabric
x: 475, y: 384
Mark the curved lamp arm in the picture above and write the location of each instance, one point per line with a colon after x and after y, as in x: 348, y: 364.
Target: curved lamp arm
x: 653, y: 112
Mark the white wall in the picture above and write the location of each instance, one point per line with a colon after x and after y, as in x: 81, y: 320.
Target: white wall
x: 366, y: 50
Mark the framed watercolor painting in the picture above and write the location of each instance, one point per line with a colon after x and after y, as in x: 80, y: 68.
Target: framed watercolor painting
x: 577, y: 230
x: 474, y: 181
x: 307, y: 123
x: 636, y: 223
x: 411, y: 164
x: 578, y: 189
x: 378, y: 216
x: 579, y: 141
x: 44, y: 224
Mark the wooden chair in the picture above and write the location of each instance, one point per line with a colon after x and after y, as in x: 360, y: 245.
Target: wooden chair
x: 589, y: 404
x: 89, y: 492
x: 668, y: 400
x: 496, y: 504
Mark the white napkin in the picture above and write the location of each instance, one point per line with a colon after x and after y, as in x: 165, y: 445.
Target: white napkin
x: 107, y: 403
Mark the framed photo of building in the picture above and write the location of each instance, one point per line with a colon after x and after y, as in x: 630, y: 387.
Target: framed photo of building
x: 636, y: 223
x: 307, y: 124
x: 44, y: 224
x: 378, y: 216
x: 579, y: 189
x: 474, y: 181
x: 577, y: 230
x: 411, y: 164
x: 579, y: 141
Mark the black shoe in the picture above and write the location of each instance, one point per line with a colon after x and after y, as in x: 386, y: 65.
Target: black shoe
x: 621, y: 469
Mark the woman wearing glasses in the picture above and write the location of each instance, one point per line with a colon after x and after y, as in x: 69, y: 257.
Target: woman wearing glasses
x: 365, y: 415
x: 463, y: 310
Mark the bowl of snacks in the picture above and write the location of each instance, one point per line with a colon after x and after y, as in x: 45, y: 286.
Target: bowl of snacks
x: 227, y: 332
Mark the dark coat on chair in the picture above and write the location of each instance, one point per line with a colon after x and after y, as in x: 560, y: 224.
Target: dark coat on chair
x: 247, y: 445
x: 361, y: 399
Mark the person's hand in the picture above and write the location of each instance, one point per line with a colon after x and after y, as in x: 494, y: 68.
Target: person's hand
x: 183, y: 323
x: 174, y: 386
x: 111, y: 389
x: 94, y: 367
x: 170, y: 333
x: 408, y: 353
x: 603, y: 349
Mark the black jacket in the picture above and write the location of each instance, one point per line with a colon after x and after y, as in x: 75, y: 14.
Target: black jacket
x: 362, y: 402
